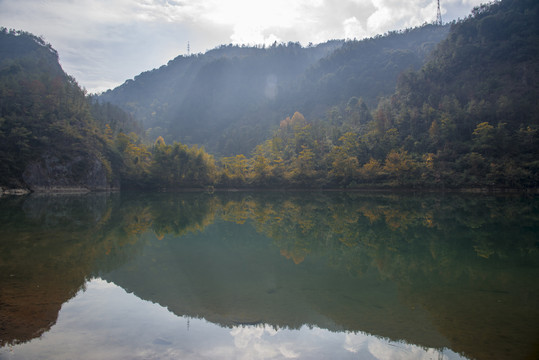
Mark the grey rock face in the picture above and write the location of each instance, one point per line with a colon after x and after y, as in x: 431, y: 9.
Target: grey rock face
x: 67, y: 173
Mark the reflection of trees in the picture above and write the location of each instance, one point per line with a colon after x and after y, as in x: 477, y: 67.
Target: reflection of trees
x: 440, y: 251
x: 47, y: 249
x: 183, y: 213
x: 392, y: 233
x: 470, y: 261
x: 399, y: 236
x: 140, y: 218
x: 448, y: 256
x: 51, y: 245
x: 434, y: 232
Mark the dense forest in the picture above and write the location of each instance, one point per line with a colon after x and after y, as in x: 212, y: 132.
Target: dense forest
x: 55, y: 136
x: 467, y: 118
x: 45, y: 117
x: 432, y: 107
x: 231, y: 98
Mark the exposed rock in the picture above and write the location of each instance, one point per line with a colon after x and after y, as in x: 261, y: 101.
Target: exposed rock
x: 20, y: 191
x: 64, y: 208
x: 78, y: 173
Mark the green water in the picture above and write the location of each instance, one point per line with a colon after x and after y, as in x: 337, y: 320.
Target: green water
x: 269, y: 275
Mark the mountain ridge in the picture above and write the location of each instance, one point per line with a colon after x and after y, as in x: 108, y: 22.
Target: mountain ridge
x: 464, y: 116
x: 231, y: 86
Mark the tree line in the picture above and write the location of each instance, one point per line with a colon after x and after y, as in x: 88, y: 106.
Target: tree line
x: 467, y: 118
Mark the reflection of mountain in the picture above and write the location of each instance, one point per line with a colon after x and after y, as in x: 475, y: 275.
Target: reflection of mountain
x: 232, y: 275
x: 433, y: 271
x: 457, y: 272
x: 50, y: 245
x: 46, y: 254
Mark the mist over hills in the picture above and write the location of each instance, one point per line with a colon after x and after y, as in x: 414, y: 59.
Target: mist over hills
x: 432, y: 107
x: 229, y: 98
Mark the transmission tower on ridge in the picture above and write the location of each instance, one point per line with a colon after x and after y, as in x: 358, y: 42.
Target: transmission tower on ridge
x: 438, y: 15
x: 188, y: 49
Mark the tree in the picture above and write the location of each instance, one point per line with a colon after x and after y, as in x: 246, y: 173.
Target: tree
x: 484, y: 136
x: 400, y: 166
x: 261, y: 170
x: 234, y: 170
x: 345, y: 164
x: 371, y: 171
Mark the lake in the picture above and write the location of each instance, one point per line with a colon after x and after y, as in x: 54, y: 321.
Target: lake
x: 276, y: 275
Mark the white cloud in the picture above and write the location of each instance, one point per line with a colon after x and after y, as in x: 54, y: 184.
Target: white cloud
x: 398, y: 351
x: 104, y: 42
x: 353, y: 29
x: 287, y: 352
x: 253, y: 343
x: 106, y: 322
x: 392, y: 15
x: 354, y: 342
x: 243, y: 336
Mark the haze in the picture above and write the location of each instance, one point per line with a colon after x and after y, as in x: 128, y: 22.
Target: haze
x: 103, y: 43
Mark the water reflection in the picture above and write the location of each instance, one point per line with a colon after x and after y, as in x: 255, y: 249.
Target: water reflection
x: 130, y: 328
x: 47, y: 248
x: 439, y: 272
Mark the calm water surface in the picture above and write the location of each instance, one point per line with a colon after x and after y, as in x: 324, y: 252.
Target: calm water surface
x: 269, y: 276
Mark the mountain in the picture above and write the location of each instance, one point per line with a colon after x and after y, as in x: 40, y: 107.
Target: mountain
x: 230, y: 98
x: 474, y: 105
x: 469, y: 117
x: 382, y: 112
x: 366, y: 69
x: 23, y: 51
x: 52, y: 135
x: 193, y: 99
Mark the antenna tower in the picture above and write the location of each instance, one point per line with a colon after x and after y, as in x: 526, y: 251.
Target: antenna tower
x: 188, y: 49
x: 438, y: 15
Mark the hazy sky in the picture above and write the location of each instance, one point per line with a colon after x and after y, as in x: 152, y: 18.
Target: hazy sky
x: 104, y: 42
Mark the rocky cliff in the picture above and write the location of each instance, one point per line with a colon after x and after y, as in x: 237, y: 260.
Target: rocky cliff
x: 69, y: 173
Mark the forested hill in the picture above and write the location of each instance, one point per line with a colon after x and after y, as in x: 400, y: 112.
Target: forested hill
x: 474, y: 106
x: 467, y: 118
x: 23, y: 51
x: 52, y: 135
x: 230, y: 98
x: 291, y: 116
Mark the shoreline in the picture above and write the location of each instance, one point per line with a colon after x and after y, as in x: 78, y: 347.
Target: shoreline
x: 82, y: 190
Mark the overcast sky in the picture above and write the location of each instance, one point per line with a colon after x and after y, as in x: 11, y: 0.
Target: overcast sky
x: 104, y: 42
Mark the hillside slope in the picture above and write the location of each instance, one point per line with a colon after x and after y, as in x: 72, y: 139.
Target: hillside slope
x: 52, y: 136
x: 474, y: 104
x: 229, y: 98
x: 467, y: 118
